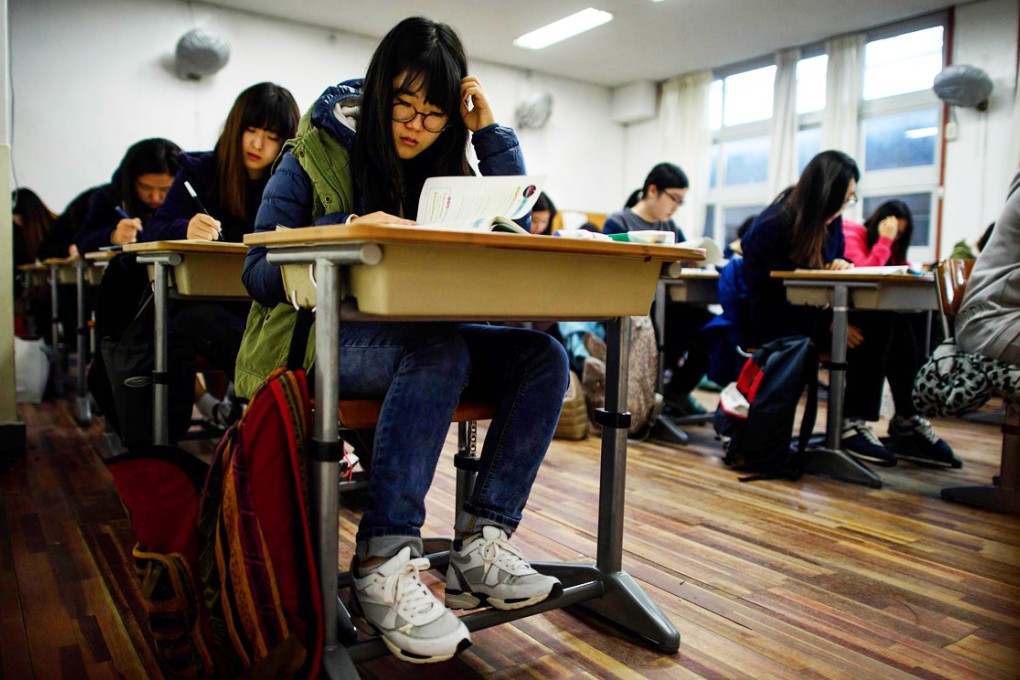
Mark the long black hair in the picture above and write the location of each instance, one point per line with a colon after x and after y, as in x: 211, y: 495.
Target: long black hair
x: 154, y: 156
x: 264, y: 105
x: 818, y: 195
x: 429, y: 58
x: 36, y: 219
x: 900, y: 211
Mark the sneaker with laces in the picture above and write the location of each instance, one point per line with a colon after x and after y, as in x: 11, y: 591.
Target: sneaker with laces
x: 392, y: 601
x: 913, y: 439
x: 488, y: 570
x: 860, y: 442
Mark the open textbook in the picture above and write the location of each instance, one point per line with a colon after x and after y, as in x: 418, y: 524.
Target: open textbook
x: 478, y: 203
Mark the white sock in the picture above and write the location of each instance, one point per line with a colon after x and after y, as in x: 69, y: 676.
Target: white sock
x: 206, y: 403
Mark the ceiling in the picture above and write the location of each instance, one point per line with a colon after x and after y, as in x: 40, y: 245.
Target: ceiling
x: 645, y: 41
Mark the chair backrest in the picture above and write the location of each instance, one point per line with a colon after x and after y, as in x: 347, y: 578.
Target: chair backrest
x: 951, y: 278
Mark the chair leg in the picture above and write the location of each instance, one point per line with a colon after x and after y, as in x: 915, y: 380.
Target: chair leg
x: 1004, y: 494
x: 466, y: 462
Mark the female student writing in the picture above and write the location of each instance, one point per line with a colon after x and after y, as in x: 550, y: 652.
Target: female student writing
x: 414, y: 110
x: 882, y: 240
x: 228, y: 182
x: 803, y: 228
x: 118, y: 210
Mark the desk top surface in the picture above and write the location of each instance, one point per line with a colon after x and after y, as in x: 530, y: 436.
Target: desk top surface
x: 187, y: 246
x: 101, y: 255
x: 32, y: 267
x: 344, y: 233
x: 824, y: 275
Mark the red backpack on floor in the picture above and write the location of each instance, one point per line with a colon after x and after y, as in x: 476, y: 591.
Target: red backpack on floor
x: 229, y: 578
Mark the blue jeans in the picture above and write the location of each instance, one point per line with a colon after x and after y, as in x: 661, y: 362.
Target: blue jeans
x: 420, y: 371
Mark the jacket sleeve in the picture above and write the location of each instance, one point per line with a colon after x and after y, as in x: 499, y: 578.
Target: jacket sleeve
x: 286, y: 201
x: 171, y: 220
x: 613, y: 225
x: 499, y: 153
x: 97, y: 229
x: 855, y: 248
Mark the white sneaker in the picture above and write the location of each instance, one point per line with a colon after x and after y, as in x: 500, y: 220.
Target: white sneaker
x: 490, y: 570
x: 393, y: 602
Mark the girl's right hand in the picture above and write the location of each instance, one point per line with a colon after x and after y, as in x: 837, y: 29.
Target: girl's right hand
x: 380, y: 218
x: 203, y: 227
x: 126, y: 231
x: 889, y: 228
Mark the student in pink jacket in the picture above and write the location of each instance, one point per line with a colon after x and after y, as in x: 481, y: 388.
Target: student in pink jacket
x: 882, y: 240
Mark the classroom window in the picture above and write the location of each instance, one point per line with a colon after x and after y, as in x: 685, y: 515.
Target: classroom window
x: 811, y: 83
x: 809, y: 143
x: 747, y: 97
x: 713, y: 176
x: 904, y: 63
x: 920, y: 208
x: 735, y: 216
x: 709, y: 221
x: 747, y: 160
x: 901, y: 140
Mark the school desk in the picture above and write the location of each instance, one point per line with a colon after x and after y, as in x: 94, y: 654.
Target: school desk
x: 354, y: 272
x: 88, y: 271
x: 187, y: 269
x: 841, y: 291
x: 67, y: 271
x: 692, y: 286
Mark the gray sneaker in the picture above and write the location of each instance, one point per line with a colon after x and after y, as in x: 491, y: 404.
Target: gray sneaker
x: 490, y: 570
x: 393, y: 602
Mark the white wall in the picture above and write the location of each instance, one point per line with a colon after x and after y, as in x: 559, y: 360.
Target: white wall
x: 980, y: 162
x: 90, y: 77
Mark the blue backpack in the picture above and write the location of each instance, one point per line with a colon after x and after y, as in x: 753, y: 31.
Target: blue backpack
x: 757, y: 412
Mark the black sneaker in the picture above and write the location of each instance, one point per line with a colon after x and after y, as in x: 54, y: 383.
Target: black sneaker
x: 913, y: 439
x: 860, y: 442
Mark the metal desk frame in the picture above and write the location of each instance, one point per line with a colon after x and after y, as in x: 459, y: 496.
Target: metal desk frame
x: 831, y: 460
x: 603, y: 588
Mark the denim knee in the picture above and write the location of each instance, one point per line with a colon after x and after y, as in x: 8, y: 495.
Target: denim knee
x: 442, y: 352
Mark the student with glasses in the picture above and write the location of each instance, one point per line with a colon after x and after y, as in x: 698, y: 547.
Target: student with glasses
x: 686, y: 349
x: 415, y: 111
x: 803, y: 229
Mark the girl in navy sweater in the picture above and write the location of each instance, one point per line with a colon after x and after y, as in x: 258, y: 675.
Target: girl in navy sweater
x: 803, y: 229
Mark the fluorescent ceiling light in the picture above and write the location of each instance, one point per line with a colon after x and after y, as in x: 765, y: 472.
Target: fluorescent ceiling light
x: 918, y: 133
x: 567, y: 27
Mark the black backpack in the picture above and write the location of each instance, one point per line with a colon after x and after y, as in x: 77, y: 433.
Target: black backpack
x: 120, y: 377
x: 757, y: 412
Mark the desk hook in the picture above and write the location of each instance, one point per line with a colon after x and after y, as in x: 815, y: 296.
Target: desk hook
x: 311, y: 274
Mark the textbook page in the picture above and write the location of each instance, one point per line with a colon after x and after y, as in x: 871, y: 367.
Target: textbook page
x: 887, y: 270
x: 477, y: 203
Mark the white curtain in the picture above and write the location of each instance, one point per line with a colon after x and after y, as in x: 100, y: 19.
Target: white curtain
x: 687, y: 141
x: 1016, y: 122
x: 783, y: 156
x: 843, y: 86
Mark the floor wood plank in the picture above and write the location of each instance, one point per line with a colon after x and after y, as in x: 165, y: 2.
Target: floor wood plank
x: 771, y: 579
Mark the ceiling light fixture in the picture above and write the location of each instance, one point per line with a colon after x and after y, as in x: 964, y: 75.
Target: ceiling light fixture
x: 567, y: 27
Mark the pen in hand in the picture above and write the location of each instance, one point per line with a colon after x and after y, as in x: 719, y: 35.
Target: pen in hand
x: 123, y: 215
x: 198, y: 202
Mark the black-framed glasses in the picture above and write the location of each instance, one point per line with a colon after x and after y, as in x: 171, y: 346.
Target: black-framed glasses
x: 679, y: 200
x: 433, y: 122
x: 851, y: 202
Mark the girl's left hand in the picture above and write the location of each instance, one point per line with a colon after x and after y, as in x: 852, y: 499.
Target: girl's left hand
x: 838, y: 264
x: 479, y: 115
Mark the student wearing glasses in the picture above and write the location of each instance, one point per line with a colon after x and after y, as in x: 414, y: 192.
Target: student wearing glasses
x: 803, y: 229
x: 652, y: 208
x: 415, y: 111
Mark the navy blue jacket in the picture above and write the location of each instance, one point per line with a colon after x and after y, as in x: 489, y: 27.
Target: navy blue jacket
x: 171, y: 220
x: 767, y: 249
x: 100, y: 220
x: 288, y: 197
x: 67, y: 228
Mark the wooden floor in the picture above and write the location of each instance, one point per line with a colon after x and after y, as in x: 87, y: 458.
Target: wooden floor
x: 774, y: 579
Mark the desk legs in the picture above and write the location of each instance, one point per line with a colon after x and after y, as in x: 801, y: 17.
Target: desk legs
x: 56, y: 363
x: 624, y: 602
x: 664, y: 429
x: 83, y: 403
x: 325, y: 474
x: 161, y: 263
x: 1004, y: 495
x: 832, y: 460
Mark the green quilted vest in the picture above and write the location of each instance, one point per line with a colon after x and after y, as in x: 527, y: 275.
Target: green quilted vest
x: 267, y: 333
